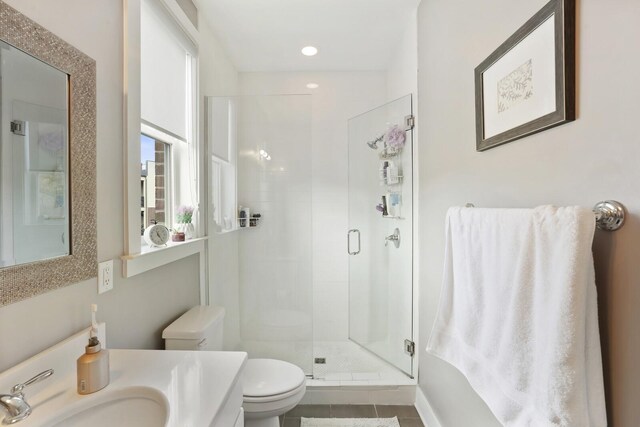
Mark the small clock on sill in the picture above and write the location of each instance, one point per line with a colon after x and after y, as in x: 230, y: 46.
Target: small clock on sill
x: 156, y: 235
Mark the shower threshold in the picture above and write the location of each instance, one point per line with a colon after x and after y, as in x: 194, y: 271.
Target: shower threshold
x: 352, y: 375
x: 348, y: 364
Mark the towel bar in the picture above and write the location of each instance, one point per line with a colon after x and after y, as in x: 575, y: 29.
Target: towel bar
x: 610, y: 214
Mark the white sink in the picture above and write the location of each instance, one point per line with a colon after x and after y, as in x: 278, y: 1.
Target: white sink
x: 139, y: 406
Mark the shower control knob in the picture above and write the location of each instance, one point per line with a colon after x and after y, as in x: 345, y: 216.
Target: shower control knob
x: 395, y: 238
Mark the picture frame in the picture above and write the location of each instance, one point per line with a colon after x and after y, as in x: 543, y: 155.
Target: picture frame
x: 527, y: 85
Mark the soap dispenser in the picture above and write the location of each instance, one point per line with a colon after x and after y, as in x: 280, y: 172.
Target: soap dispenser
x: 93, y: 365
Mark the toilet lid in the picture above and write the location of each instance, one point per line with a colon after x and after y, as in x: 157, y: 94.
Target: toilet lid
x: 268, y: 377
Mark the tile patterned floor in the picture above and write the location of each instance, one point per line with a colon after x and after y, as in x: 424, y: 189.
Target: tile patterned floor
x: 407, y: 415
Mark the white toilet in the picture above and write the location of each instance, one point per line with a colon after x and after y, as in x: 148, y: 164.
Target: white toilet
x: 270, y: 387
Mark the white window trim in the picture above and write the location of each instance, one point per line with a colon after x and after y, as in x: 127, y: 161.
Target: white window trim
x: 134, y: 261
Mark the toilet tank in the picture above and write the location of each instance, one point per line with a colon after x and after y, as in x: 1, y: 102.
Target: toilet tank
x: 198, y: 329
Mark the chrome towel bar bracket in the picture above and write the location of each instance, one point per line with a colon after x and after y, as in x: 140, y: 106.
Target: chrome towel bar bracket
x: 610, y: 215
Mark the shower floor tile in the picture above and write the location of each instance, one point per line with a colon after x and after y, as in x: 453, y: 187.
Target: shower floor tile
x: 347, y: 362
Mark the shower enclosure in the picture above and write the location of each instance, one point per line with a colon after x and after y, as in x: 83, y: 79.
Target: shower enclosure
x: 262, y: 188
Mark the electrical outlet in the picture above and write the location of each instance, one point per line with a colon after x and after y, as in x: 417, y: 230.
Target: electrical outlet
x: 105, y: 276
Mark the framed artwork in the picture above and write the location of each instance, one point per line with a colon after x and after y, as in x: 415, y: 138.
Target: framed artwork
x: 527, y: 85
x: 50, y: 196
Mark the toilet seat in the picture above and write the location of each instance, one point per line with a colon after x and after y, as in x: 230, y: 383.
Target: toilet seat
x: 275, y: 397
x: 265, y: 378
x: 271, y: 387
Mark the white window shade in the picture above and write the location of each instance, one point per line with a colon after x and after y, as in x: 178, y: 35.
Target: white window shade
x: 165, y: 50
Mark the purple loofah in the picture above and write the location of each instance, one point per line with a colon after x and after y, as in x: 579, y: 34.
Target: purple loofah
x: 395, y: 137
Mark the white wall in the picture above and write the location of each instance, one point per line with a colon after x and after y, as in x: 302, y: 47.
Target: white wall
x: 341, y: 95
x: 580, y: 163
x: 402, y: 73
x: 138, y: 308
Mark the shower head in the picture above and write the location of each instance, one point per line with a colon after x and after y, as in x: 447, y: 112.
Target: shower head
x: 374, y: 144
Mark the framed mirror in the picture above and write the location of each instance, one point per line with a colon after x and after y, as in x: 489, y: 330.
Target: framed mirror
x: 47, y: 160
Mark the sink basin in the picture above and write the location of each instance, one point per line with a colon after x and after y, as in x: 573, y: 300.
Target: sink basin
x: 131, y: 406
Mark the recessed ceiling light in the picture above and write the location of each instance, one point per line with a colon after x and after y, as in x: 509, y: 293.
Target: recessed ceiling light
x: 309, y: 50
x: 313, y: 85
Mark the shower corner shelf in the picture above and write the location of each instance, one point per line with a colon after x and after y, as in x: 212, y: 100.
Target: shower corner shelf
x: 385, y: 155
x: 254, y: 221
x: 392, y: 184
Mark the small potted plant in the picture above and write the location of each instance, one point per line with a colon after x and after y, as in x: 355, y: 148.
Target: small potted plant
x: 184, y: 224
x: 177, y: 236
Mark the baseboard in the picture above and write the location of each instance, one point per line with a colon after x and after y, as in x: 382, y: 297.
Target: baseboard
x: 425, y: 411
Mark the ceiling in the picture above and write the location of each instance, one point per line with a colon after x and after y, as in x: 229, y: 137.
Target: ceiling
x: 267, y: 35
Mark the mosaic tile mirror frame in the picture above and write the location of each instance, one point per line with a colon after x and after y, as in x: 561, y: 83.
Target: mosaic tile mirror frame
x: 23, y: 281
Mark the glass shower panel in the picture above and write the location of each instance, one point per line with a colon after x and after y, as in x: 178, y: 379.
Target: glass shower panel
x: 274, y: 181
x: 380, y: 241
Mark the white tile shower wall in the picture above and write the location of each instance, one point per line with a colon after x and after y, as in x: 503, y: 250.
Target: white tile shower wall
x: 275, y: 257
x: 340, y: 96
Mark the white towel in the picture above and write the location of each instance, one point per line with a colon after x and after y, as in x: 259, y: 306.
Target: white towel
x: 518, y: 314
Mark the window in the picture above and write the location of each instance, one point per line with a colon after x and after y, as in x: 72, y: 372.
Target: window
x: 155, y: 182
x: 167, y: 108
x: 160, y: 86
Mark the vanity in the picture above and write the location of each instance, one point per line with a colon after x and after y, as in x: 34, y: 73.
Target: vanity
x: 148, y: 388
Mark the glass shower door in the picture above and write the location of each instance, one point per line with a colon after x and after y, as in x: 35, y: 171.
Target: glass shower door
x: 380, y: 241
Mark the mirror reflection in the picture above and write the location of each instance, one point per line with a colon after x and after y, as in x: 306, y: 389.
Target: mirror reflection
x: 34, y: 159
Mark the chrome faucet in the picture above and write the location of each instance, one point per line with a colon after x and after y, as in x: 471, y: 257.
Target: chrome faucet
x: 14, y: 403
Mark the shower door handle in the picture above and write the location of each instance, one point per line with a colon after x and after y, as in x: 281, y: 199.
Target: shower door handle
x: 354, y: 230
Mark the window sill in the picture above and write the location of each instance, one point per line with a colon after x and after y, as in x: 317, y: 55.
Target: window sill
x: 150, y: 258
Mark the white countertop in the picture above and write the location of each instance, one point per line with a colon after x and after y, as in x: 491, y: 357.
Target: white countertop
x: 195, y: 384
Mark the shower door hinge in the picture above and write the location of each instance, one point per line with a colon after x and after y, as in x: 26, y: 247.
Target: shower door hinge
x: 409, y: 122
x: 409, y: 347
x: 18, y: 127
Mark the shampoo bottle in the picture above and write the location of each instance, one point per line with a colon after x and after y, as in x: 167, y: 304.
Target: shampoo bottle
x: 93, y: 365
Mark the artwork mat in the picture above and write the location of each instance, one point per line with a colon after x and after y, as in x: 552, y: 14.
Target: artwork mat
x: 563, y: 14
x: 538, y: 47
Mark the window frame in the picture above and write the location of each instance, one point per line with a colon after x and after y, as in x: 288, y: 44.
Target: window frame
x: 135, y: 261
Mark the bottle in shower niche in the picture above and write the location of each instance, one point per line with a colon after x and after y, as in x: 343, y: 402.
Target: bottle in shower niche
x: 244, y: 216
x: 392, y: 175
x: 385, y: 206
x: 395, y: 203
x: 383, y: 172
